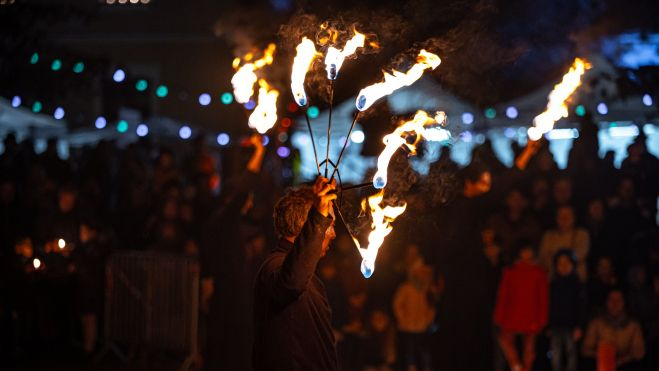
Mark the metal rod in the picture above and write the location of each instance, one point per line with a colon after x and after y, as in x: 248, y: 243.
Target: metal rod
x: 313, y: 142
x: 363, y: 185
x: 329, y: 125
x: 337, y: 211
x: 345, y: 144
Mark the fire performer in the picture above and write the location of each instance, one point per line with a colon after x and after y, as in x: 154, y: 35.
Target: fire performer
x: 292, y: 315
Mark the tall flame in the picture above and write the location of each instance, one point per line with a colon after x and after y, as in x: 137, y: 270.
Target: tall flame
x: 380, y: 228
x: 264, y: 115
x: 306, y: 52
x: 244, y: 79
x: 396, y: 80
x: 557, y: 107
x: 415, y: 129
x: 335, y: 57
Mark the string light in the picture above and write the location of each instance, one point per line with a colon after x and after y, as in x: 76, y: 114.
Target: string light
x: 59, y: 113
x: 78, y: 67
x: 283, y: 152
x: 100, y: 122
x: 490, y: 113
x: 205, y: 99
x: 467, y: 118
x: 119, y: 75
x: 56, y: 65
x: 16, y: 101
x: 185, y: 132
x: 142, y: 130
x: 122, y: 126
x: 580, y: 110
x: 34, y: 59
x: 313, y: 112
x: 162, y: 91
x: 37, y: 107
x: 357, y: 136
x: 223, y: 139
x: 511, y: 112
x: 226, y: 98
x: 141, y: 85
x: 647, y: 100
x: 602, y: 109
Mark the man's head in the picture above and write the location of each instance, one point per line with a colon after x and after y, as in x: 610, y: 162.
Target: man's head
x: 291, y: 212
x: 564, y: 262
x: 477, y: 179
x: 565, y: 218
x: 66, y: 198
x: 615, y: 303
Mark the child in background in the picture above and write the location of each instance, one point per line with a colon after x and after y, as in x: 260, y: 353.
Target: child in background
x: 379, y: 346
x: 415, y: 311
x: 521, y: 308
x: 567, y: 310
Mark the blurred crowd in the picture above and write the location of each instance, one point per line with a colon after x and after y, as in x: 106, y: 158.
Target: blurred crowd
x: 490, y: 268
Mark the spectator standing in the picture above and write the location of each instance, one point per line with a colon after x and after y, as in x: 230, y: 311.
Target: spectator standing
x: 614, y: 340
x: 567, y: 311
x: 566, y: 235
x: 521, y: 308
x: 415, y: 311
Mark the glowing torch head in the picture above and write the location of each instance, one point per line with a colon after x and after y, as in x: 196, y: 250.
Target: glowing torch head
x: 557, y: 101
x: 264, y: 115
x: 306, y: 52
x: 382, y: 217
x: 245, y: 77
x: 396, y: 80
x: 335, y: 57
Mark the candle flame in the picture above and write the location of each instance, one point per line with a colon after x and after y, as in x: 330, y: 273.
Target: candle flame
x: 382, y: 217
x: 264, y: 116
x: 61, y: 243
x: 306, y: 52
x: 245, y: 77
x: 36, y: 263
x: 557, y: 107
x: 335, y: 57
x: 421, y: 126
x: 397, y: 80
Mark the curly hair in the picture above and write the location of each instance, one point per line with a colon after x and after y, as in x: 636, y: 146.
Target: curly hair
x: 291, y: 211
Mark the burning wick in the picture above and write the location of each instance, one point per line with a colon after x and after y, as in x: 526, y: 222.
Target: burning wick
x: 556, y: 107
x: 36, y: 263
x: 335, y: 57
x: 264, y: 116
x: 380, y: 228
x: 409, y: 134
x: 306, y: 52
x: 396, y: 80
x: 61, y: 243
x: 244, y: 79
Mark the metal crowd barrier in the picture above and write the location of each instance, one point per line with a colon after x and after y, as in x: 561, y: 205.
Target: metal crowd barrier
x: 152, y: 301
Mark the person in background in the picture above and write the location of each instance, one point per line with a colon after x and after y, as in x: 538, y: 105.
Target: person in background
x: 567, y: 311
x: 521, y: 308
x: 414, y: 309
x: 566, y: 235
x: 225, y: 286
x: 599, y: 286
x: 89, y: 259
x: 614, y: 340
x: 379, y: 346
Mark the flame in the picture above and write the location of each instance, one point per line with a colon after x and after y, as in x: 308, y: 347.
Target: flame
x: 396, y: 80
x: 36, y: 263
x: 306, y: 52
x: 244, y: 79
x: 61, y: 243
x: 335, y: 57
x: 556, y: 107
x: 380, y: 228
x: 418, y: 127
x: 265, y: 114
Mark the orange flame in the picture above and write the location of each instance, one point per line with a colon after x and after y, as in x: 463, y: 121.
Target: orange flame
x: 557, y: 107
x: 306, y: 52
x: 244, y: 79
x: 397, y: 80
x: 264, y: 116
x: 416, y: 128
x: 335, y: 57
x: 380, y: 228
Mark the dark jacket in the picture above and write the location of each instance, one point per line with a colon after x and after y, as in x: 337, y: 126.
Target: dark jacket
x: 293, y: 328
x: 567, y: 302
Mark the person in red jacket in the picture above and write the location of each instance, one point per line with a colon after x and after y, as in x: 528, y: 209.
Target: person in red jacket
x: 521, y: 308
